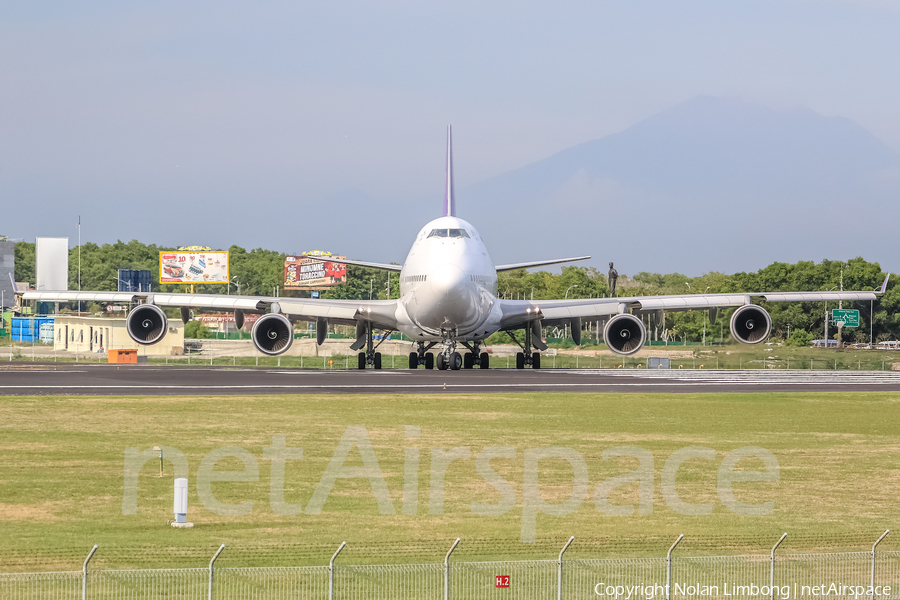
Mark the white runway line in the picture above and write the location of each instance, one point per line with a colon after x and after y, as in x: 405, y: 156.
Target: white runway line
x: 754, y: 377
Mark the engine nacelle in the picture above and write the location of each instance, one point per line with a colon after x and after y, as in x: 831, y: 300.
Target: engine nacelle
x: 750, y: 324
x: 146, y: 324
x: 624, y: 334
x: 272, y: 334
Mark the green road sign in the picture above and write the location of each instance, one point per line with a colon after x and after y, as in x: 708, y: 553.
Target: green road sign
x: 850, y: 318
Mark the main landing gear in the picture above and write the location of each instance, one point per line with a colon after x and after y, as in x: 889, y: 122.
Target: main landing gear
x: 527, y: 357
x: 421, y: 356
x: 449, y: 358
x: 370, y: 357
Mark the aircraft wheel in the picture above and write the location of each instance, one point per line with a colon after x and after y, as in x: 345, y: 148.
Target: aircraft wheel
x: 441, y: 362
x: 520, y: 360
x: 413, y: 360
x: 536, y: 360
x: 485, y: 360
x: 456, y: 361
x: 429, y: 361
x: 378, y: 360
x: 362, y: 360
x: 468, y: 360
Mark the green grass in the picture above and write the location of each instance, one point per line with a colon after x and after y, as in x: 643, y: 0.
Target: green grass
x: 61, y: 475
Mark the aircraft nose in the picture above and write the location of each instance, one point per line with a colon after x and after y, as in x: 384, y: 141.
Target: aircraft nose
x: 448, y: 281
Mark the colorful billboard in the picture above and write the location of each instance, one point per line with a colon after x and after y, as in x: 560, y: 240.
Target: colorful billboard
x: 313, y: 272
x: 193, y: 267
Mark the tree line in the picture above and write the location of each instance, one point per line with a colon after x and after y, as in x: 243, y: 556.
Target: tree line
x: 260, y: 272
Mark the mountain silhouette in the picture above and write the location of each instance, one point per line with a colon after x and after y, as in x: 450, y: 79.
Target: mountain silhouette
x: 709, y: 184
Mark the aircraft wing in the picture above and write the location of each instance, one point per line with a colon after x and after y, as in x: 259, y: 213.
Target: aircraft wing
x: 538, y: 263
x: 516, y: 313
x: 341, y: 312
x: 361, y: 263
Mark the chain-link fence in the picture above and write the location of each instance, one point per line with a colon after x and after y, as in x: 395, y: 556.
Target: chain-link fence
x: 840, y: 575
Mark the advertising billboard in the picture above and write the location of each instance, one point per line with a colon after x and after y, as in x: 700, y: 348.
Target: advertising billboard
x: 131, y: 280
x: 193, y: 267
x: 312, y: 272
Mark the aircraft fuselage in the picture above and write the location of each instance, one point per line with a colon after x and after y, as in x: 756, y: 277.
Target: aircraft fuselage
x: 448, y: 284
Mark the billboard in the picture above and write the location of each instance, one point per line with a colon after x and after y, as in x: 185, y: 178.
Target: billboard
x: 312, y: 272
x: 52, y: 269
x: 131, y: 280
x: 193, y: 267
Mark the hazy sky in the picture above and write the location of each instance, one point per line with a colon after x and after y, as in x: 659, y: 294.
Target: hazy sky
x: 227, y: 114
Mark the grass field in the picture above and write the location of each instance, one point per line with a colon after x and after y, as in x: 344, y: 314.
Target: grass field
x: 62, y: 476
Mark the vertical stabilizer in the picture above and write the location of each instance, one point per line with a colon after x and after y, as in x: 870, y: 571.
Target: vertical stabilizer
x: 449, y: 198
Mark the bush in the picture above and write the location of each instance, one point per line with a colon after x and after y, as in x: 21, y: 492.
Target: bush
x: 800, y: 338
x: 196, y: 330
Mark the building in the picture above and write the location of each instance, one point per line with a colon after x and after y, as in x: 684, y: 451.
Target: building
x: 7, y: 270
x: 101, y: 334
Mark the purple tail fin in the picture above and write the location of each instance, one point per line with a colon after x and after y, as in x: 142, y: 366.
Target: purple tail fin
x: 449, y: 198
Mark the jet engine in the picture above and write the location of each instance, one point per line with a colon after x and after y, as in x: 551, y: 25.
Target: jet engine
x: 624, y: 334
x: 272, y: 334
x: 750, y: 324
x: 146, y: 324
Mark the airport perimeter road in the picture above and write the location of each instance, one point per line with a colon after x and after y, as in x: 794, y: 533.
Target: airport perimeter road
x: 50, y: 379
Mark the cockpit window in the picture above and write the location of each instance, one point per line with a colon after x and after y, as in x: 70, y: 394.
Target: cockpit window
x: 451, y: 233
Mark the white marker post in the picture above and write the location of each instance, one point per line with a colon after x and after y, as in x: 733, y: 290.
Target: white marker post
x: 181, y: 503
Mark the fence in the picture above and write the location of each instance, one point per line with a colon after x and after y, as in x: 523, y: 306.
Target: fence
x: 839, y: 575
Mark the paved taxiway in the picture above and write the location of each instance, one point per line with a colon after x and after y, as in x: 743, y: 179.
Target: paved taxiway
x: 104, y: 380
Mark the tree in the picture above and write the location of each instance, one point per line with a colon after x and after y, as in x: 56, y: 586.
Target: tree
x: 196, y: 330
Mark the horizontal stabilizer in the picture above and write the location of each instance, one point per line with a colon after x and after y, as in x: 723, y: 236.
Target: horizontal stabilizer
x: 539, y: 263
x: 360, y: 263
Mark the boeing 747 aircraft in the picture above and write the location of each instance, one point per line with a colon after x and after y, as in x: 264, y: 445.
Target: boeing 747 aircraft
x: 448, y: 301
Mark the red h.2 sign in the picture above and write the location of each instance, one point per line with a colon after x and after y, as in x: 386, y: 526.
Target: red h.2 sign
x: 501, y: 581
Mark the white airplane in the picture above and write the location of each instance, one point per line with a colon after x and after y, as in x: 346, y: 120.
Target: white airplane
x: 448, y: 299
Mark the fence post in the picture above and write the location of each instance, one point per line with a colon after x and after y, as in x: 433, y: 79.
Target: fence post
x: 883, y: 535
x: 772, y: 565
x: 447, y: 569
x: 669, y: 568
x: 211, y: 563
x: 559, y: 572
x: 331, y: 571
x: 84, y: 572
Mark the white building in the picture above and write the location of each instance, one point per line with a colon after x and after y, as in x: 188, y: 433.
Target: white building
x: 100, y: 334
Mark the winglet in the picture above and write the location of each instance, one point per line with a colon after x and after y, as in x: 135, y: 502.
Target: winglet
x: 449, y: 199
x: 884, y: 285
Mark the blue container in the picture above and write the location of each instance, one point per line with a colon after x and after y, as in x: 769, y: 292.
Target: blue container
x: 28, y: 329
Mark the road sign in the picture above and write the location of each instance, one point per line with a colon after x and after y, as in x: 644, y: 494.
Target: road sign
x: 845, y: 317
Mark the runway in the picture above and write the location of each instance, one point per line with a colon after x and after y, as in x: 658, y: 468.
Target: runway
x: 106, y: 380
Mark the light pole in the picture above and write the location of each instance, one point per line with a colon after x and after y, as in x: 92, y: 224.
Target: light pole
x: 826, y: 318
x: 687, y: 284
x: 79, y: 264
x: 567, y: 297
x: 371, y: 283
x: 229, y: 284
